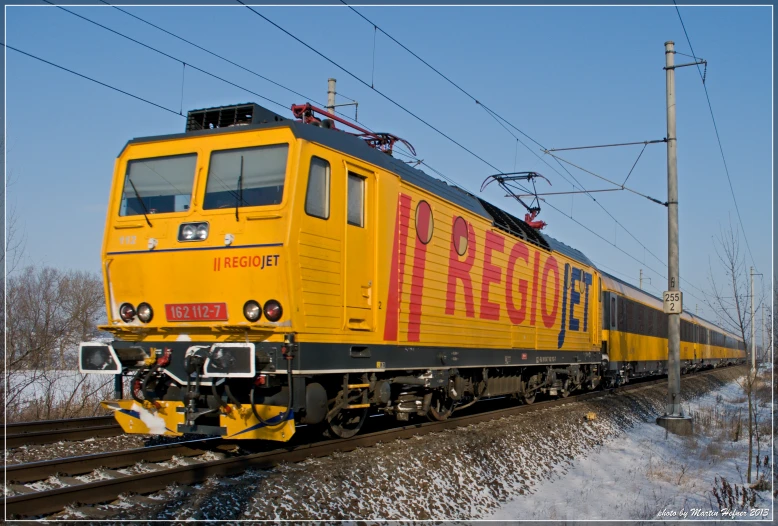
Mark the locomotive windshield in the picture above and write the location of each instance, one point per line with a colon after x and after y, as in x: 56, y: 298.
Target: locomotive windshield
x: 246, y: 177
x: 158, y: 185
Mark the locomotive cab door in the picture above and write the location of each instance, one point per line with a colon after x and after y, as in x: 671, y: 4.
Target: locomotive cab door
x: 359, y: 275
x: 320, y: 242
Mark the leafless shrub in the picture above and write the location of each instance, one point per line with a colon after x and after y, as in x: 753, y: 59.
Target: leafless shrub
x: 733, y: 497
x: 729, y: 299
x: 49, y: 313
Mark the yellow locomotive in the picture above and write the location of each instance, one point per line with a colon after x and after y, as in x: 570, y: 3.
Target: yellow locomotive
x: 261, y: 272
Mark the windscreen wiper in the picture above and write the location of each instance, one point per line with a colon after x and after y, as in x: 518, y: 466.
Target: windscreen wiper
x: 239, y: 200
x: 142, y: 204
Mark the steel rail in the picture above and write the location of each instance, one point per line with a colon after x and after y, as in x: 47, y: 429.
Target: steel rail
x: 50, y: 431
x: 52, y: 501
x: 70, y: 466
x: 56, y: 425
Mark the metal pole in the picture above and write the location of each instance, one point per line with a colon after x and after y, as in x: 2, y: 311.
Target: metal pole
x: 764, y: 350
x: 753, y: 326
x: 674, y: 320
x: 641, y: 279
x: 331, y: 95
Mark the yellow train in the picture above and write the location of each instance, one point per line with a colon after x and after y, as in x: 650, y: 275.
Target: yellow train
x: 262, y: 272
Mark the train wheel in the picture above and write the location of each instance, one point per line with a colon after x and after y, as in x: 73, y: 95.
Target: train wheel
x: 343, y: 422
x: 565, y: 392
x: 347, y: 422
x: 441, y: 408
x: 530, y: 390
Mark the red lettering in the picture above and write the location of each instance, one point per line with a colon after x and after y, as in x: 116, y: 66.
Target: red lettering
x: 227, y: 263
x: 533, y: 311
x: 492, y: 274
x: 397, y: 269
x: 255, y: 261
x: 234, y: 261
x: 417, y: 290
x: 244, y: 260
x: 517, y: 316
x: 460, y: 270
x: 549, y: 317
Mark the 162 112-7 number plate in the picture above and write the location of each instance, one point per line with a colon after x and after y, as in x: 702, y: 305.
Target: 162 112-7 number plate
x: 196, y: 311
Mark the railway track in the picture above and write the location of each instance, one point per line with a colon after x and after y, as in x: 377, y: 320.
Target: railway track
x: 50, y: 431
x: 32, y: 503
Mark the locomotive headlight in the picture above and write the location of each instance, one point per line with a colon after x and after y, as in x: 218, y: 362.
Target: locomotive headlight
x: 188, y: 232
x: 273, y: 310
x: 193, y: 231
x: 127, y: 312
x: 145, y: 313
x: 251, y: 310
x: 202, y: 231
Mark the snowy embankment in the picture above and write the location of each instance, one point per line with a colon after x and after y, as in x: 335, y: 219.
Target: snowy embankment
x: 645, y: 473
x: 548, y: 464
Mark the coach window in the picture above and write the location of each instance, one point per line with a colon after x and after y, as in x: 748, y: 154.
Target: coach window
x: 317, y: 200
x: 356, y: 200
x: 613, y: 311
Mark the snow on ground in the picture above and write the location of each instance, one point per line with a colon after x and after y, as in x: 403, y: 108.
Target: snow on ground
x: 646, y: 473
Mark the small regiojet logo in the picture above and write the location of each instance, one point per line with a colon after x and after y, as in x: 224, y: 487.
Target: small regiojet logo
x: 258, y: 262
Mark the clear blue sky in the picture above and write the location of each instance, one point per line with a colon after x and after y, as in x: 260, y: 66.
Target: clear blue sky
x: 566, y: 76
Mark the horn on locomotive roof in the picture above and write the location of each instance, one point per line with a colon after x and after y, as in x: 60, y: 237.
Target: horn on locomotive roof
x: 380, y: 141
x: 508, y: 183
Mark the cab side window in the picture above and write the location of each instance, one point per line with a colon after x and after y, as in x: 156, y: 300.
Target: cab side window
x: 317, y: 200
x: 356, y: 200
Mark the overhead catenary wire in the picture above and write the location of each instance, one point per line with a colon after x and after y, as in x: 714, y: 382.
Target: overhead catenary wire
x: 499, y: 118
x: 188, y: 64
x: 361, y: 81
x: 169, y: 56
x: 160, y: 106
x: 205, y: 72
x: 618, y: 248
x: 718, y: 137
x: 169, y: 110
x: 220, y: 57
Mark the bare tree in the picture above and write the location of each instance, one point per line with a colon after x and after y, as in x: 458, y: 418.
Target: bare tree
x: 729, y: 299
x: 10, y: 259
x: 49, y: 313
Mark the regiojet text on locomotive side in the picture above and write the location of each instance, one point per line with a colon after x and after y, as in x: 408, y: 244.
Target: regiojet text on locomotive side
x: 261, y: 272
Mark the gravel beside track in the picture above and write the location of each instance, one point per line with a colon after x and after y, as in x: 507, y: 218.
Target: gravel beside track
x: 454, y: 474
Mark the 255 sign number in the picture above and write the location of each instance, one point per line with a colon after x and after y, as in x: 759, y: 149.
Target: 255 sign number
x: 673, y: 302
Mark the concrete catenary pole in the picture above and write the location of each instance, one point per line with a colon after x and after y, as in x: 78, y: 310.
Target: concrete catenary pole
x: 331, y: 95
x: 674, y: 320
x: 641, y: 279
